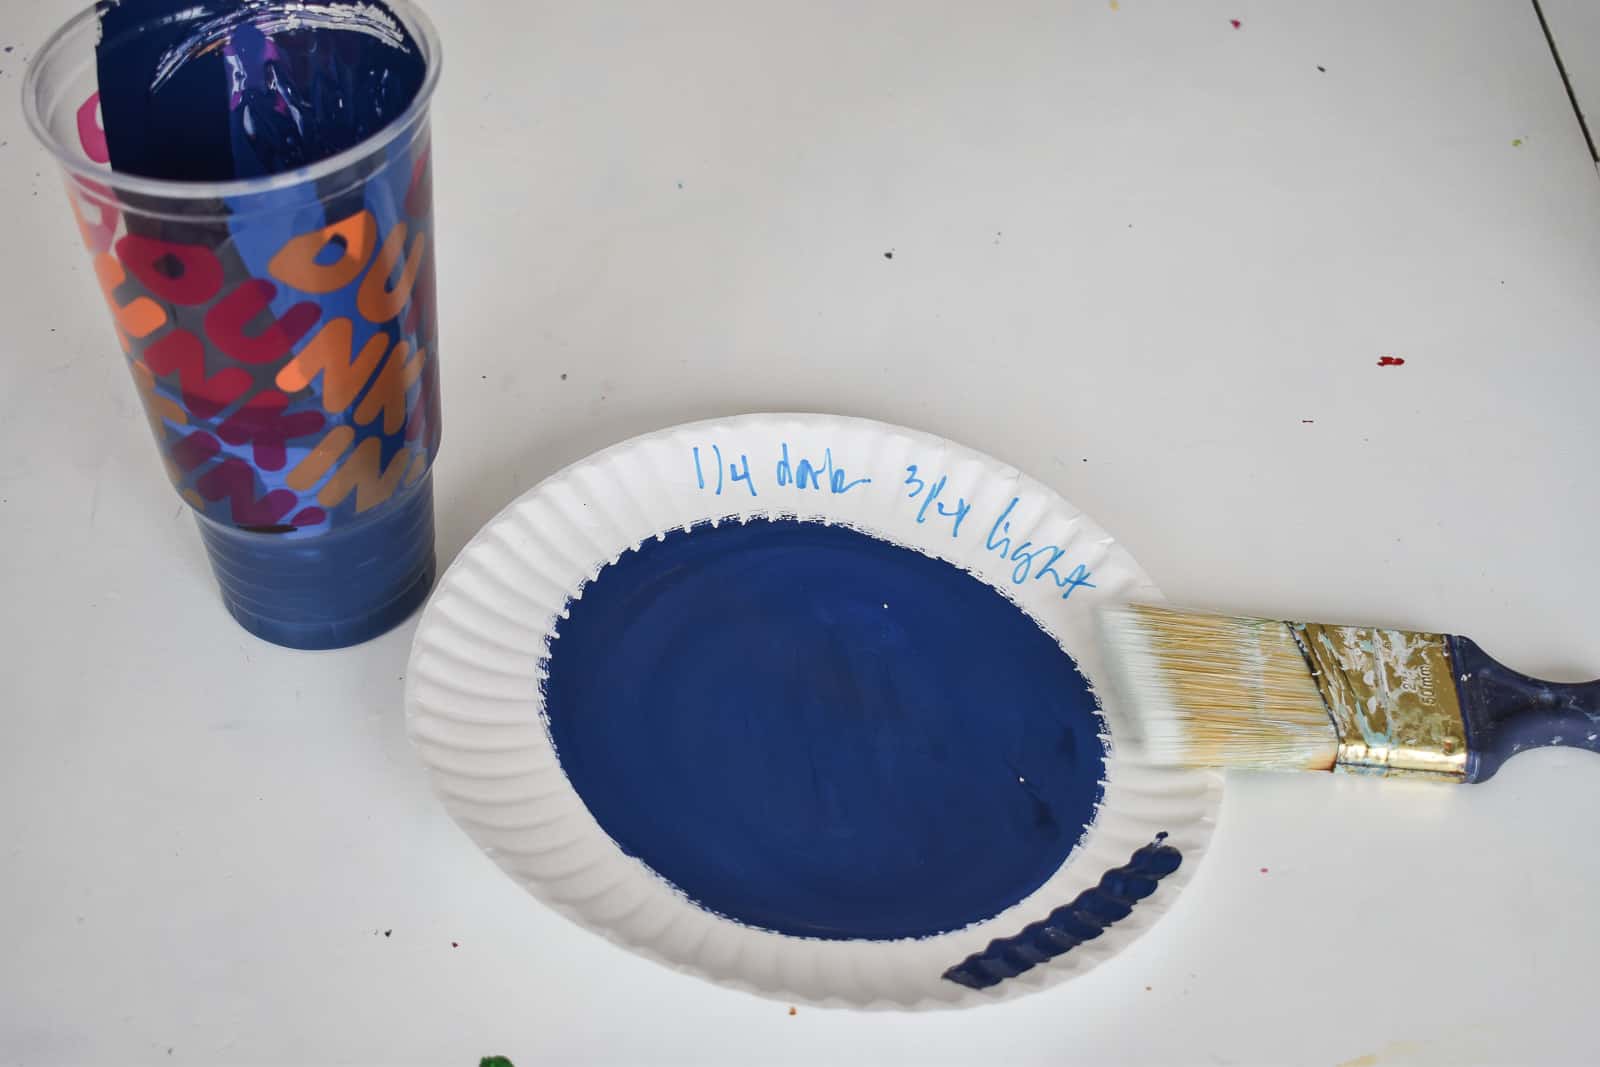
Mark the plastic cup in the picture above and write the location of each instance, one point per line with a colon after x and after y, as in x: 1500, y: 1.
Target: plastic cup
x: 282, y: 334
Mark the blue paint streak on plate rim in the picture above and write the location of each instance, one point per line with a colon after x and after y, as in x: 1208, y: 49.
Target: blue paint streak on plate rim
x: 1084, y: 918
x: 810, y: 730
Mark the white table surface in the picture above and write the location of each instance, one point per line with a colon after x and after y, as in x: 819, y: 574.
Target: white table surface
x: 1135, y: 249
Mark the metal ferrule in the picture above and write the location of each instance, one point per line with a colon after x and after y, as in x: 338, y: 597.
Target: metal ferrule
x: 1392, y: 698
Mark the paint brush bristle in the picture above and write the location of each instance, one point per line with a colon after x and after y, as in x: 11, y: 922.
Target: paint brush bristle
x: 1209, y: 691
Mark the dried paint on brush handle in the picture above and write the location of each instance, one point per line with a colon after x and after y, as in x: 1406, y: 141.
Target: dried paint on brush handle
x: 1506, y: 712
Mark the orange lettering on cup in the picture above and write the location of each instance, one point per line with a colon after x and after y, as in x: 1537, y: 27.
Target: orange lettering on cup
x: 361, y: 474
x: 320, y: 460
x: 155, y: 405
x: 388, y: 392
x: 328, y: 354
x: 377, y: 301
x: 299, y: 263
x: 141, y: 316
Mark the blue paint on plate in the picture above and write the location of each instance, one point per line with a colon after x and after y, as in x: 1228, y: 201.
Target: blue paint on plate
x: 813, y: 731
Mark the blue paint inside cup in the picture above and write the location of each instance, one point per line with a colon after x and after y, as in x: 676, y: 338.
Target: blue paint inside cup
x: 815, y: 732
x: 218, y: 90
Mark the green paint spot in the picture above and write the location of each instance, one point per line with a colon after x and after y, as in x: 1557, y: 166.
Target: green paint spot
x: 495, y: 1061
x: 1516, y: 142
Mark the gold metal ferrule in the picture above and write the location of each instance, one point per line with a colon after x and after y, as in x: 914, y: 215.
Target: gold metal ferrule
x: 1392, y: 697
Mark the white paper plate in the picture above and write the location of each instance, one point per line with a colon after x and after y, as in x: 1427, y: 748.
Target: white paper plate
x: 474, y: 705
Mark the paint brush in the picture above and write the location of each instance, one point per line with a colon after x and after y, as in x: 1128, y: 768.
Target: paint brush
x: 1211, y: 691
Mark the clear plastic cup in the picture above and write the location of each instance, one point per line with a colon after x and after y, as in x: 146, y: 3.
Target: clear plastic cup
x: 282, y: 334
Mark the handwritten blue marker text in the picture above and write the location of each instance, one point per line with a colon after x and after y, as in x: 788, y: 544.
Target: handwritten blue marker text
x: 808, y: 475
x: 736, y: 472
x: 1025, y: 556
x: 930, y: 498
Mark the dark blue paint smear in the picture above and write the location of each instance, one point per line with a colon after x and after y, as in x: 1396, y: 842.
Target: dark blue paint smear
x: 198, y: 92
x: 815, y: 732
x: 1070, y: 925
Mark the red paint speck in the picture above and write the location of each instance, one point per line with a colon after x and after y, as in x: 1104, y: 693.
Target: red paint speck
x: 1236, y: 24
x: 1263, y: 870
x: 455, y: 944
x: 1391, y: 361
x: 792, y: 1010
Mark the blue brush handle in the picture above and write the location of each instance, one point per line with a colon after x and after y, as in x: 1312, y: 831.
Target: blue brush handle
x: 1506, y: 712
